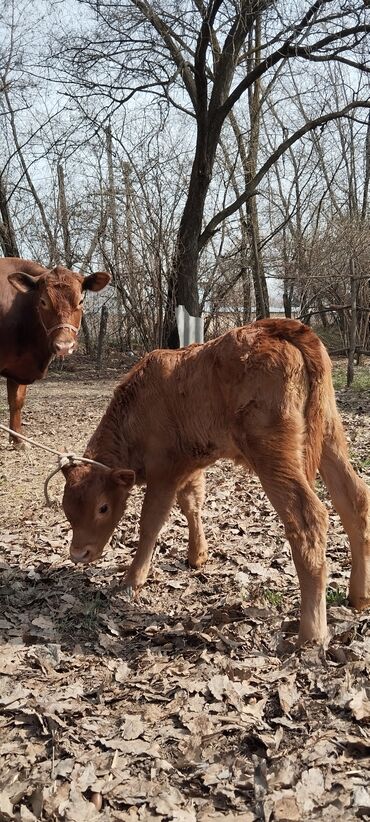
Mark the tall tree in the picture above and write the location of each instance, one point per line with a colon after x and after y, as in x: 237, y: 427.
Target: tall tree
x: 175, y: 53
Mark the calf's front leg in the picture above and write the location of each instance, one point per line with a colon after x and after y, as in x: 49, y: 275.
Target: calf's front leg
x: 190, y: 499
x: 16, y: 398
x: 157, y: 505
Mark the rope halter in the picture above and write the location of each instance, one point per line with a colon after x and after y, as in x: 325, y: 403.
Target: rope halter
x: 62, y: 325
x: 64, y: 459
x: 71, y: 460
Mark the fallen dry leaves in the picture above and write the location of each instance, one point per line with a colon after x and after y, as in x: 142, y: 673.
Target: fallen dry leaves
x: 192, y: 702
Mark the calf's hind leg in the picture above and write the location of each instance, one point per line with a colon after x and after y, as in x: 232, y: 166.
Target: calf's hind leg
x: 275, y: 452
x: 16, y: 398
x: 351, y: 499
x: 190, y: 499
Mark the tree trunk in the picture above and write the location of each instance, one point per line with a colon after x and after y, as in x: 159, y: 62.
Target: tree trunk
x: 112, y: 211
x: 63, y: 215
x: 50, y: 239
x: 126, y: 169
x: 68, y: 256
x: 352, y: 326
x: 250, y: 169
x: 367, y: 172
x: 102, y: 335
x: 246, y: 276
x: 210, y: 116
x: 183, y: 283
x: 258, y: 274
x: 287, y: 299
x: 323, y: 317
x: 87, y: 336
x: 7, y: 234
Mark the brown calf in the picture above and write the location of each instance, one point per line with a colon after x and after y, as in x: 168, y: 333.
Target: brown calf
x: 261, y: 395
x: 40, y: 316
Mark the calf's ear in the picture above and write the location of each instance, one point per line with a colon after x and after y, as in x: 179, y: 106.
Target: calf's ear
x: 66, y: 469
x: 95, y: 282
x: 123, y: 476
x: 23, y: 282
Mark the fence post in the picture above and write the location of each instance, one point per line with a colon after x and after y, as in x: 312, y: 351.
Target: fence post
x: 191, y: 329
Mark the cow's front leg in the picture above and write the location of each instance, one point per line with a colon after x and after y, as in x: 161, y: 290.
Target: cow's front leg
x: 16, y: 398
x: 157, y: 505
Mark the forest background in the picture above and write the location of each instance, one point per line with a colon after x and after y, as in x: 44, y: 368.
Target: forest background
x: 215, y: 155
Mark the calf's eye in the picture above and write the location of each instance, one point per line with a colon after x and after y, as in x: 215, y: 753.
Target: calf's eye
x: 103, y: 508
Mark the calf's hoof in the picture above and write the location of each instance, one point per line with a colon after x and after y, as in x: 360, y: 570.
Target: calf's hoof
x: 322, y: 641
x: 317, y: 633
x: 128, y: 593
x: 359, y: 603
x: 197, y: 560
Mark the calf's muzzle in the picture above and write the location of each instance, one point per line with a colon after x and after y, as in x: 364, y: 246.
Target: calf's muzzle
x: 84, y: 555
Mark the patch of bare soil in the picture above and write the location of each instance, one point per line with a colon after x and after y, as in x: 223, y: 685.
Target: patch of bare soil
x: 191, y: 703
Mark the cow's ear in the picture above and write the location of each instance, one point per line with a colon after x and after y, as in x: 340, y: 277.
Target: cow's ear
x: 95, y: 282
x: 123, y: 476
x: 23, y: 282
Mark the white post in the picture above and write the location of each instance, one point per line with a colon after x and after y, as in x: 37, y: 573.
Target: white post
x: 191, y: 329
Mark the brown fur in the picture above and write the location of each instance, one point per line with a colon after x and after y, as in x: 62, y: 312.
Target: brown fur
x: 33, y: 300
x: 261, y: 395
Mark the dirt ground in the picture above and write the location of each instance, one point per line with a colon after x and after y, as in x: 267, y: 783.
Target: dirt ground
x: 191, y: 703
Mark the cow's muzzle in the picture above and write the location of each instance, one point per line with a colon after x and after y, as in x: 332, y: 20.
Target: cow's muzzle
x: 64, y: 348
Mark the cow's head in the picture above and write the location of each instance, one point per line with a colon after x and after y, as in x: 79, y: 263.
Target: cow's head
x: 94, y: 500
x: 59, y: 295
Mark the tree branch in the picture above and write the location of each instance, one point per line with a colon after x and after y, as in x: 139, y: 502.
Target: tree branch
x: 250, y: 191
x: 286, y: 51
x: 167, y: 36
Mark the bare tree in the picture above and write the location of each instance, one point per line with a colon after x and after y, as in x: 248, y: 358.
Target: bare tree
x: 8, y: 240
x: 177, y: 57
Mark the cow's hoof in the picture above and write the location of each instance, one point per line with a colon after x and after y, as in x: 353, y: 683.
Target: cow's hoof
x: 19, y: 445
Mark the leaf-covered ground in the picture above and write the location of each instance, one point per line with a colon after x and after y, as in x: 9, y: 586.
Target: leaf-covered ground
x: 191, y: 703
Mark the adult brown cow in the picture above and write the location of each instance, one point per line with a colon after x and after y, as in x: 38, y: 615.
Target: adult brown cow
x: 261, y: 395
x: 40, y: 316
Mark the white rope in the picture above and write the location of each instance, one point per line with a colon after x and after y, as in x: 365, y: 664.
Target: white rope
x: 63, y: 325
x: 28, y: 439
x: 64, y: 459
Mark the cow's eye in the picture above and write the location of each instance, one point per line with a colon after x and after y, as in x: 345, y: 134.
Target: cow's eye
x: 43, y: 302
x: 80, y: 304
x: 103, y: 508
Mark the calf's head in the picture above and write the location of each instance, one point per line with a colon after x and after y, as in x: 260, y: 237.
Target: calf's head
x: 94, y: 500
x: 58, y: 296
